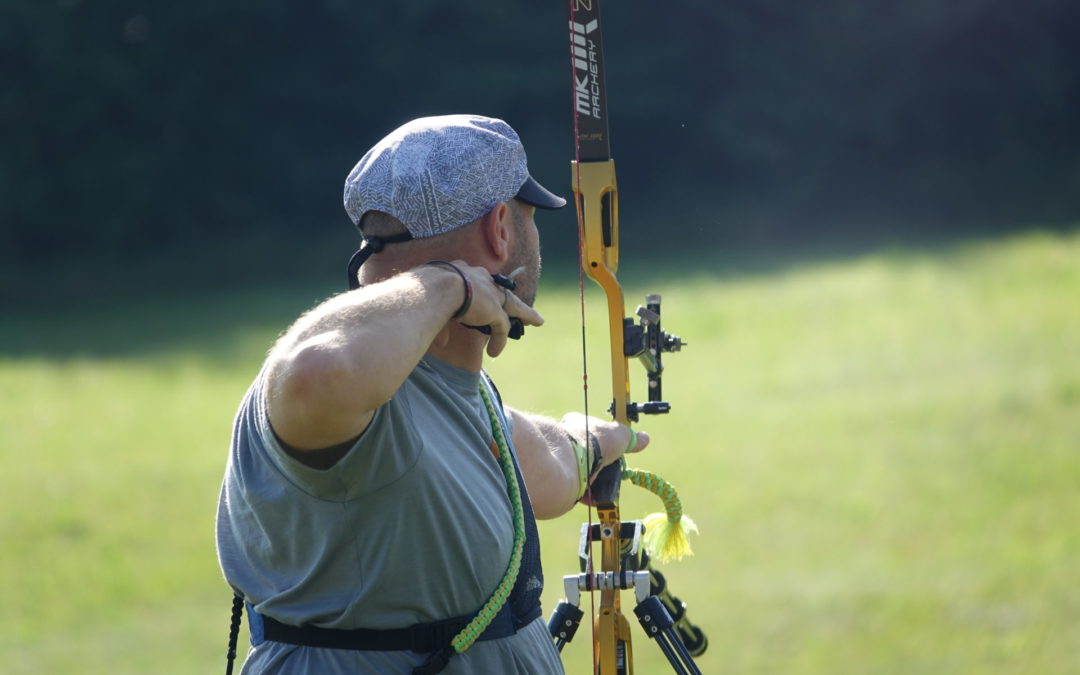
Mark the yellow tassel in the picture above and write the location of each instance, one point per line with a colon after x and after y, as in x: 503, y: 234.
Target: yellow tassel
x: 666, y: 540
x: 666, y: 534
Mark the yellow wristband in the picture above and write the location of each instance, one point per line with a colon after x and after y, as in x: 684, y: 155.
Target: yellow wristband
x: 584, y: 463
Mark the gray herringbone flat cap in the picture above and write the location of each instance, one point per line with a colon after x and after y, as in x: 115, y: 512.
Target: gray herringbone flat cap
x: 435, y: 174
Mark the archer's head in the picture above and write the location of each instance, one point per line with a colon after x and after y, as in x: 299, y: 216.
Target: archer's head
x: 438, y: 179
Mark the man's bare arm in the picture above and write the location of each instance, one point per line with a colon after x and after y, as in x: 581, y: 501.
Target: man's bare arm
x: 548, y: 461
x: 339, y: 362
x: 348, y: 356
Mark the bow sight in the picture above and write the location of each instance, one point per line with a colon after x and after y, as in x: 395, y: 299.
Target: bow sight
x: 646, y: 342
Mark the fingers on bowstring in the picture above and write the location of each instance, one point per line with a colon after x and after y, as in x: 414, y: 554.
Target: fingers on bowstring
x: 516, y: 307
x: 498, y: 337
x: 496, y: 345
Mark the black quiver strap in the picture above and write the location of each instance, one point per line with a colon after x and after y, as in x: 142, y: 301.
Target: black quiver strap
x: 234, y: 632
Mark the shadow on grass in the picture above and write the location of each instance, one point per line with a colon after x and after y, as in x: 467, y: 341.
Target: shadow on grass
x: 222, y: 325
x: 769, y: 258
x: 216, y: 325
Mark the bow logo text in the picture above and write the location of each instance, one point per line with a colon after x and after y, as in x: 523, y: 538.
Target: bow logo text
x: 586, y: 69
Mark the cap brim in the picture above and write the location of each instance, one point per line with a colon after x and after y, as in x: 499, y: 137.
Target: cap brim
x: 539, y: 196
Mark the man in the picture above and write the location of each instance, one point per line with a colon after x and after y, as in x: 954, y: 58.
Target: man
x: 372, y: 503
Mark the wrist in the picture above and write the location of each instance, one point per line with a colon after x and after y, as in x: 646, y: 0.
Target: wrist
x: 468, y: 292
x: 589, y: 461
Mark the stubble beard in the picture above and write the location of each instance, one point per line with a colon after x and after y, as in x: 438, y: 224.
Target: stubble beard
x: 529, y: 280
x: 524, y: 256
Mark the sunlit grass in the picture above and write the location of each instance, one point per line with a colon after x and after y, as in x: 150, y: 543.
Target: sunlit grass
x: 881, y: 454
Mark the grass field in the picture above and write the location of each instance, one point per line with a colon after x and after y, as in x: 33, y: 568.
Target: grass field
x: 882, y: 454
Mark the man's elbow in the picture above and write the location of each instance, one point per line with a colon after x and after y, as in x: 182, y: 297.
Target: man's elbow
x: 307, y: 374
x: 315, y: 395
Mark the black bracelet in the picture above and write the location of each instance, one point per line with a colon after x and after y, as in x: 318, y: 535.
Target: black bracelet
x: 468, y: 287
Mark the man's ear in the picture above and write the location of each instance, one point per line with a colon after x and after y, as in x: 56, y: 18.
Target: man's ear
x: 495, y: 227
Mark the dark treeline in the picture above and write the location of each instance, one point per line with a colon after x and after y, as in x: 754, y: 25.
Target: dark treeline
x: 135, y: 129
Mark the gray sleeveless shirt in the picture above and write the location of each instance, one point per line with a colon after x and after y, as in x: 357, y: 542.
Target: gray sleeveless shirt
x: 412, y: 525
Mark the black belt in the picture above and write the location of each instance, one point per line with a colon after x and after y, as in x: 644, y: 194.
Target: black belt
x: 421, y: 637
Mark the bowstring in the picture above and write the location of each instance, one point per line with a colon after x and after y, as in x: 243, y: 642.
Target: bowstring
x: 579, y: 211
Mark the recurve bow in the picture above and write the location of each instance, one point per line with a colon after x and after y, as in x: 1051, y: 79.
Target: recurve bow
x: 624, y: 565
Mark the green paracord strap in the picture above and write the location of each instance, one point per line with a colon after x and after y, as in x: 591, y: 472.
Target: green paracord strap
x: 659, y: 487
x: 486, y: 615
x: 665, y: 533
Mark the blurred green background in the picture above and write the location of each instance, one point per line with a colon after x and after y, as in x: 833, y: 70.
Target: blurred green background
x: 862, y: 217
x: 206, y: 143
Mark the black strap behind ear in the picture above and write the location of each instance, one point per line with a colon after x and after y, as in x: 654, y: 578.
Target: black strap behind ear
x: 370, y: 247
